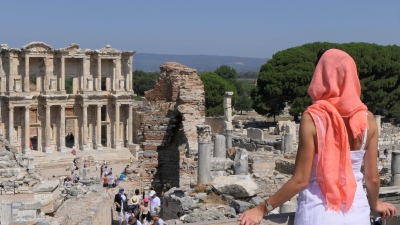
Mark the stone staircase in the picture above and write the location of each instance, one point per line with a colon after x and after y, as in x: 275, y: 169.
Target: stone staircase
x: 62, y: 160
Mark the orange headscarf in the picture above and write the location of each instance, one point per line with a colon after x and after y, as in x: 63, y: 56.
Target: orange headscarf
x: 335, y: 92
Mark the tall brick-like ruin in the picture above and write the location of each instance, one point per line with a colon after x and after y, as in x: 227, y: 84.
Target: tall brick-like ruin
x: 166, y: 127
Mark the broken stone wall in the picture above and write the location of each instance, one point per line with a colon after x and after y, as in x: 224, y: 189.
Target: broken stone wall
x: 216, y: 124
x: 167, y: 129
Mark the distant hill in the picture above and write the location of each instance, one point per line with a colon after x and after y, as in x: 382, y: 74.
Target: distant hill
x: 151, y: 62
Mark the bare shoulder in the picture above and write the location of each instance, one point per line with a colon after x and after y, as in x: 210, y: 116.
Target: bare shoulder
x: 307, y: 123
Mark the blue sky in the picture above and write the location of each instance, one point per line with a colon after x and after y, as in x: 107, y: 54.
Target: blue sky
x: 250, y: 28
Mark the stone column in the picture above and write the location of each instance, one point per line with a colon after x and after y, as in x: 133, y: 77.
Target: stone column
x: 26, y: 78
x: 39, y: 140
x: 228, y: 111
x: 113, y: 75
x: 84, y: 128
x: 10, y: 76
x: 6, y: 212
x: 84, y: 77
x: 241, y: 162
x: 98, y: 130
x: 31, y: 164
x: 47, y: 148
x: 27, y: 131
x: 282, y: 143
x: 395, y: 180
x: 46, y: 81
x: 62, y: 83
x: 288, y: 143
x: 130, y: 125
x: 62, y: 147
x: 219, y: 146
x: 99, y: 74
x: 130, y: 74
x: 11, y: 125
x: 117, y: 121
x: 204, y: 152
x: 228, y: 138
x: 378, y: 123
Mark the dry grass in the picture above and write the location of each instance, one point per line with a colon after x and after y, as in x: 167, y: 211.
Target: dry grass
x: 200, y: 188
x: 213, y: 198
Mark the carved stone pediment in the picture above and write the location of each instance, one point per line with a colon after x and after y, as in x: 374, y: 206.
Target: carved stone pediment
x: 72, y: 49
x: 108, y: 49
x: 37, y: 47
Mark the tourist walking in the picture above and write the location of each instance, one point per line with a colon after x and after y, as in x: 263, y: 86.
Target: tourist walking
x: 337, y: 133
x: 120, y: 202
x: 386, y: 153
x: 144, y: 210
x: 154, y: 202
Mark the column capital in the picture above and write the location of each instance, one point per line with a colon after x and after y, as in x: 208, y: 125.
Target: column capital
x: 204, y: 133
x: 130, y: 106
x: 99, y: 106
x: 84, y: 105
x: 27, y: 107
x: 99, y: 59
x: 118, y: 104
x: 62, y: 59
x: 47, y: 106
x: 10, y: 107
x: 62, y: 107
x: 27, y: 57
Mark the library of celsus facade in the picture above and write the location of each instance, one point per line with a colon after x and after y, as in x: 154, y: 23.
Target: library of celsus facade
x: 57, y: 98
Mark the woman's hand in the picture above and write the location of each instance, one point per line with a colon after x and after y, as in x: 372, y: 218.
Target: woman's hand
x: 253, y: 216
x: 387, y: 210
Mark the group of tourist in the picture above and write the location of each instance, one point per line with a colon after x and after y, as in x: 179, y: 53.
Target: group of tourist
x: 138, y: 210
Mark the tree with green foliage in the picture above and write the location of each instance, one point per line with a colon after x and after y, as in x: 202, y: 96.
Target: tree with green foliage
x: 215, y: 88
x: 243, y: 103
x: 286, y: 77
x: 226, y: 72
x: 144, y: 81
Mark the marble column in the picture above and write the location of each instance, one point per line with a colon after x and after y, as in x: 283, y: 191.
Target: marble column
x: 130, y: 74
x: 84, y: 77
x: 130, y: 125
x: 204, y: 154
x: 288, y: 143
x: 98, y: 74
x: 46, y: 79
x: 11, y: 125
x: 219, y: 146
x: 117, y: 121
x: 395, y: 168
x: 241, y: 162
x: 62, y: 148
x: 113, y: 75
x: 26, y: 78
x: 84, y: 128
x: 62, y: 74
x: 47, y: 148
x: 10, y: 76
x: 27, y: 131
x: 98, y: 130
x: 39, y: 139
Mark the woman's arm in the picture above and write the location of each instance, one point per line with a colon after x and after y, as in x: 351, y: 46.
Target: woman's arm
x: 300, y: 178
x: 372, y: 179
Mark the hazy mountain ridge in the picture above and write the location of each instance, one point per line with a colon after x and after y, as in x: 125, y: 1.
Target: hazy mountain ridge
x: 151, y: 62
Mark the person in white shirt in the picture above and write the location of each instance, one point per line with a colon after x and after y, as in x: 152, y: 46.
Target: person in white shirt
x: 154, y: 202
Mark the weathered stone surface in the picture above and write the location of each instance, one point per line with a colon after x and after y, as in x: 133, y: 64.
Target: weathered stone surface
x: 241, y: 162
x: 237, y: 186
x: 256, y: 200
x: 241, y: 206
x: 221, y: 164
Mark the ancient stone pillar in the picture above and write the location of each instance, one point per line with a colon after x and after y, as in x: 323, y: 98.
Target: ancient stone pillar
x: 27, y: 131
x: 39, y: 81
x: 11, y: 125
x: 113, y: 78
x: 288, y: 143
x: 117, y: 121
x: 26, y: 78
x: 62, y: 83
x: 228, y: 138
x: 219, y: 146
x: 46, y: 79
x: 282, y: 143
x: 130, y: 125
x: 11, y: 69
x: 98, y: 126
x: 6, y: 212
x: 84, y: 128
x: 39, y: 139
x: 62, y: 147
x: 395, y: 168
x: 204, y: 160
x: 378, y: 123
x: 130, y: 74
x: 31, y: 165
x: 47, y: 148
x: 84, y: 76
x: 98, y: 74
x: 241, y: 162
x: 228, y: 111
